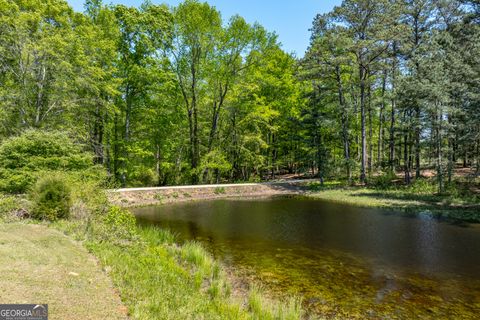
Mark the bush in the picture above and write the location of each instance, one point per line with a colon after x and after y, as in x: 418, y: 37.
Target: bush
x: 13, y: 208
x: 51, y: 198
x: 16, y: 181
x: 142, y: 177
x: 220, y: 190
x: 384, y: 181
x: 120, y: 225
x: 423, y: 186
x: 24, y: 158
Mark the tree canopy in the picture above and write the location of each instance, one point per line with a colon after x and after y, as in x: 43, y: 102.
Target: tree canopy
x: 172, y: 95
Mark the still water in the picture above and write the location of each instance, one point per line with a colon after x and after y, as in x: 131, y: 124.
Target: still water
x: 345, y: 262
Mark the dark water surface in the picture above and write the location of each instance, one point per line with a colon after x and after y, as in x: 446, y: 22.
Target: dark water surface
x: 346, y: 262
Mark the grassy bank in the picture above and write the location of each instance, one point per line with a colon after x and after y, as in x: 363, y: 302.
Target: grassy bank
x: 156, y: 278
x: 456, y: 204
x: 160, y: 279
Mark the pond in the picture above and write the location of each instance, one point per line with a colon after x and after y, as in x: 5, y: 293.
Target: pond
x: 344, y: 261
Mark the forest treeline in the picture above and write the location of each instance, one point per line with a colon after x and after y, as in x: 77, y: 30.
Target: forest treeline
x: 172, y: 95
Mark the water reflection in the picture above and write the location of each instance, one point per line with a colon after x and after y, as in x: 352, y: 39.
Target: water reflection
x: 344, y: 261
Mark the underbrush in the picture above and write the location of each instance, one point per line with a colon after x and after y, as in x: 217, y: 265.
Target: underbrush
x: 13, y: 208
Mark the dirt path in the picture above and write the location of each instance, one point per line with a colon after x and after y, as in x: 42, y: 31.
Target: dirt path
x: 41, y: 265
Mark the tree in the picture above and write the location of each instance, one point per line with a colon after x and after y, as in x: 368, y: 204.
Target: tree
x: 371, y: 24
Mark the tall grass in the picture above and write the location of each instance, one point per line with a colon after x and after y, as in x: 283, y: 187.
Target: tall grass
x: 159, y: 279
x: 263, y: 308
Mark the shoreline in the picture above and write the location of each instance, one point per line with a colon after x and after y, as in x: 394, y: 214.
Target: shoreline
x: 397, y: 200
x: 141, y: 197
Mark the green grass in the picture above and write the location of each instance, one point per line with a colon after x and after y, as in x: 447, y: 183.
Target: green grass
x: 156, y: 277
x: 419, y: 197
x: 156, y: 283
x: 159, y: 279
x: 262, y: 308
x: 41, y: 265
x: 219, y: 190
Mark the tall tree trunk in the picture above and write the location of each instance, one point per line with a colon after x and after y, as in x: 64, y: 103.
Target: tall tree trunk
x: 380, y: 121
x: 362, y: 75
x: 126, y: 137
x: 193, y: 121
x: 217, y: 107
x: 406, y: 160
x: 417, y: 141
x: 394, y: 107
x: 438, y: 136
x: 158, y: 159
x: 345, y: 135
x: 370, y: 130
x: 97, y: 136
x: 451, y: 150
x: 40, y: 95
x: 116, y: 148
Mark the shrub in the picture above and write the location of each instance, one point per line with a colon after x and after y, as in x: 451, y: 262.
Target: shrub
x: 12, y: 208
x: 142, y: 177
x: 220, y: 190
x: 87, y: 187
x: 423, y: 186
x: 51, y: 198
x: 384, y: 181
x: 24, y: 158
x: 120, y: 225
x: 315, y: 186
x: 16, y: 181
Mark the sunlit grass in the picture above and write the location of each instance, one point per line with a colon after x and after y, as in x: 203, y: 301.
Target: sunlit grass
x: 263, y: 308
x: 159, y: 279
x: 420, y: 197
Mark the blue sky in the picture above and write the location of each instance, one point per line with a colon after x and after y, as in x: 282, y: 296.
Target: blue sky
x: 290, y: 19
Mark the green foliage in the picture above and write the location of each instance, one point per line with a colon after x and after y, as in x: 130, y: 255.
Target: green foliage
x: 158, y: 236
x: 262, y: 308
x: 224, y: 102
x: 143, y: 176
x: 214, y: 162
x: 423, y: 186
x: 16, y: 181
x: 384, y: 180
x: 12, y: 208
x: 32, y: 154
x: 120, y: 226
x: 220, y: 190
x: 51, y: 198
